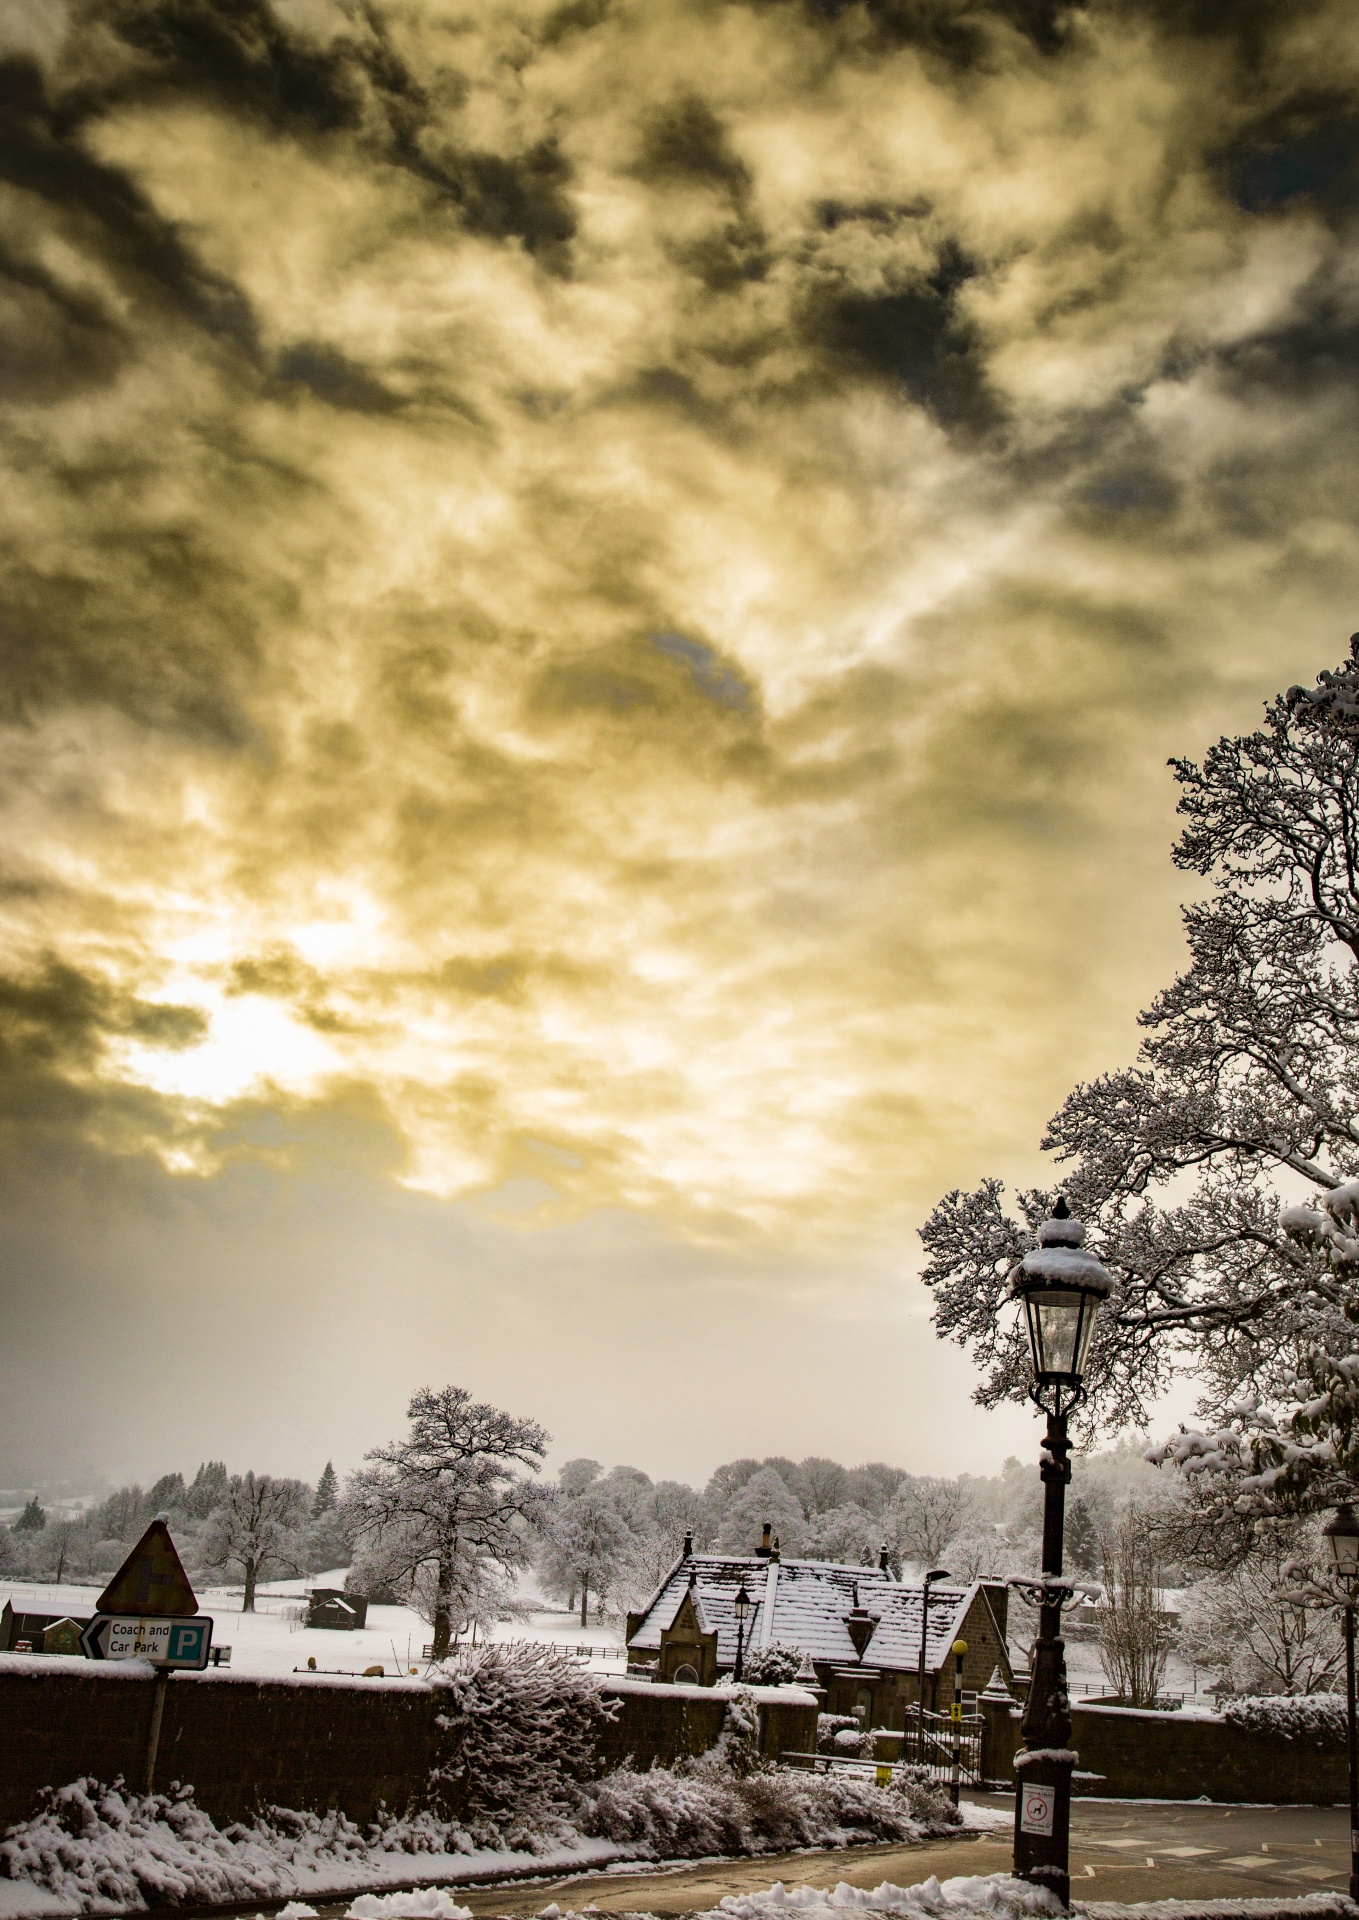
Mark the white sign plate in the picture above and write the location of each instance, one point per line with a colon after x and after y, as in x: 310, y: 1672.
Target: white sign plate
x: 169, y: 1641
x: 1036, y: 1808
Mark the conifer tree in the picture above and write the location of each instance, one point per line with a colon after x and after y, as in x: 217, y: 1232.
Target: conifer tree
x: 325, y: 1492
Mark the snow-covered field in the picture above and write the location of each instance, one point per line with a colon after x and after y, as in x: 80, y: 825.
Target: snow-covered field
x: 272, y: 1640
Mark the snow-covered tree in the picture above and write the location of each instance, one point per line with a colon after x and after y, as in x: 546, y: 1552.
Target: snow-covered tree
x: 206, y: 1488
x: 844, y: 1533
x: 258, y: 1527
x: 924, y: 1516
x: 577, y: 1475
x: 449, y: 1499
x: 1188, y: 1165
x: 585, y: 1549
x: 33, y: 1518
x: 1263, y: 1625
x: 763, y: 1497
x: 822, y: 1484
x: 1134, y: 1634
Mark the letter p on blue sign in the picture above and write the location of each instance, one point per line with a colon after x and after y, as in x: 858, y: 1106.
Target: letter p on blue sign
x: 189, y: 1643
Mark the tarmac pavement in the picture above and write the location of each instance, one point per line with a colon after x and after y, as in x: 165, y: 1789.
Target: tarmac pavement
x: 1120, y: 1850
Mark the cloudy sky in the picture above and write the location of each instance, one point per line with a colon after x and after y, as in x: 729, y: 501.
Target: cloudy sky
x: 595, y: 597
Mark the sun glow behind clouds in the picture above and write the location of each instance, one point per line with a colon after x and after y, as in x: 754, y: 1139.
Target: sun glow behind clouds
x: 647, y: 557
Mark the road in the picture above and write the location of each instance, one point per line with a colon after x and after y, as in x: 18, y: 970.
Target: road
x: 1120, y: 1850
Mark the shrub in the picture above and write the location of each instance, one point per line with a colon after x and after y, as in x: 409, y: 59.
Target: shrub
x: 692, y: 1812
x: 776, y: 1665
x: 926, y: 1799
x: 1314, y: 1719
x: 521, y: 1724
x: 737, y: 1748
x: 829, y: 1724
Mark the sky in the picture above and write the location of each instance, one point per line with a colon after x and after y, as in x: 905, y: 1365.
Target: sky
x: 595, y: 597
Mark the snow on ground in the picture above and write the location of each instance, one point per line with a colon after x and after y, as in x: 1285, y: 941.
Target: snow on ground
x: 997, y: 1895
x: 272, y: 1640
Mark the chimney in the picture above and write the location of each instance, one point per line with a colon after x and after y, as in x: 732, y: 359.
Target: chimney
x: 689, y: 1544
x: 774, y: 1550
x: 763, y: 1550
x: 884, y: 1558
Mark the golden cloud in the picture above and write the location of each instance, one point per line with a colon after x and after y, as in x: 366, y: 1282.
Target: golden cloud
x: 610, y: 583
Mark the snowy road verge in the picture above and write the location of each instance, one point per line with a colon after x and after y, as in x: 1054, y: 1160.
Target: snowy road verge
x: 98, y: 1850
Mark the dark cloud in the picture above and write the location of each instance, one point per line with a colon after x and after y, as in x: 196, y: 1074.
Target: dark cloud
x: 99, y: 203
x: 240, y: 56
x: 684, y: 141
x: 1305, y: 152
x: 333, y: 377
x: 914, y: 335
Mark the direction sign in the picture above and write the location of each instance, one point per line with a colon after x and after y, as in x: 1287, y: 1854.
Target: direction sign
x: 163, y: 1640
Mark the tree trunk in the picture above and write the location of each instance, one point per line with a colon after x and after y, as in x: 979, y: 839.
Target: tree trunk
x: 442, y: 1613
x: 584, y: 1606
x: 251, y: 1573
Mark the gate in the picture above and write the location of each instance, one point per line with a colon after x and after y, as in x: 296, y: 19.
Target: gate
x: 936, y: 1741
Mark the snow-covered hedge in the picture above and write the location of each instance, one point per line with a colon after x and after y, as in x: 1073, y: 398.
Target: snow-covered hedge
x: 521, y: 1721
x: 678, y: 1813
x: 1315, y: 1719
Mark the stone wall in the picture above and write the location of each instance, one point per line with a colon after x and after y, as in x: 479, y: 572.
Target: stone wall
x: 305, y: 1741
x: 1129, y: 1754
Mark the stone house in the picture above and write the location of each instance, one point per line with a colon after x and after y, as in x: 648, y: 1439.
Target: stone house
x: 858, y: 1627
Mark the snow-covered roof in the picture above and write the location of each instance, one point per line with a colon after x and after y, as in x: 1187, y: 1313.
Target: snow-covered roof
x: 804, y: 1604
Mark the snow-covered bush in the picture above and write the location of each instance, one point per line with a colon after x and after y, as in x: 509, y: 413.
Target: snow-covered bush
x: 691, y: 1812
x: 1313, y: 1719
x: 737, y: 1748
x: 829, y: 1724
x: 776, y: 1665
x: 521, y: 1722
x: 110, y: 1849
x: 926, y: 1799
x: 852, y: 1743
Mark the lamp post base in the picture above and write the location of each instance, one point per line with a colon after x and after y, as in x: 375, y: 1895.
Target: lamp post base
x: 1043, y: 1824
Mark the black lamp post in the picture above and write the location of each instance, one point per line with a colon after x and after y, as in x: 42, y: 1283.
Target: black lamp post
x: 956, y: 1715
x: 1061, y: 1287
x: 741, y: 1608
x: 935, y: 1573
x: 1342, y: 1537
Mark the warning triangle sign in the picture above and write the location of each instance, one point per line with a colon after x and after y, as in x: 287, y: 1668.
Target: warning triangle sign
x: 151, y: 1580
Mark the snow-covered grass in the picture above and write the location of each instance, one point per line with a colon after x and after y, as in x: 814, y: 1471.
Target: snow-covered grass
x: 271, y: 1641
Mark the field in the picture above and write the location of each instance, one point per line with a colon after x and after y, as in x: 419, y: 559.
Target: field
x: 273, y: 1640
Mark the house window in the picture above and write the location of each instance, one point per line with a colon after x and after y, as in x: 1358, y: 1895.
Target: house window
x: 686, y: 1676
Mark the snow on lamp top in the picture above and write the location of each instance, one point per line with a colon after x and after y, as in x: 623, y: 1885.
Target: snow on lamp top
x: 1061, y: 1285
x: 1060, y: 1259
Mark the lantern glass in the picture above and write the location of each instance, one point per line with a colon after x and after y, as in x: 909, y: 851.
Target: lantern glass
x: 1061, y: 1321
x: 741, y: 1604
x: 1342, y: 1537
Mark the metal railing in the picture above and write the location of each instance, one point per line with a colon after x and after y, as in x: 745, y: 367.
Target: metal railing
x: 939, y: 1742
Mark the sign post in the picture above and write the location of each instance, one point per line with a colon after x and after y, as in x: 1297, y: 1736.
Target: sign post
x: 148, y: 1611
